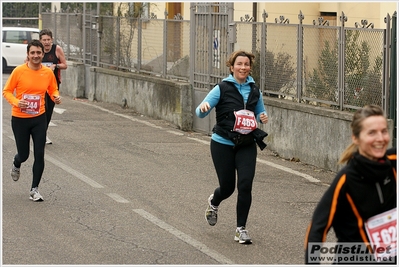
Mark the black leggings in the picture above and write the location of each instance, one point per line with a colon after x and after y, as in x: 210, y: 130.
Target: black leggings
x: 23, y: 129
x: 227, y: 160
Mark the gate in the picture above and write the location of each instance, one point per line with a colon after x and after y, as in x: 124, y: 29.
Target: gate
x: 211, y: 44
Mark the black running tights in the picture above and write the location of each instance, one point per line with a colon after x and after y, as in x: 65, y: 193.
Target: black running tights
x: 227, y: 160
x: 23, y: 129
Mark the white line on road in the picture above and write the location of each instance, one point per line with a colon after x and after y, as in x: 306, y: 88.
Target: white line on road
x: 196, y: 244
x: 274, y: 165
x: 307, y: 177
x: 75, y: 173
x: 199, y: 140
x: 123, y: 115
x: 176, y: 133
x: 117, y: 198
x: 59, y: 110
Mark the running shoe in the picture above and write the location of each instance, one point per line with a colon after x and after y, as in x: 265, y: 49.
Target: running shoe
x: 15, y: 173
x: 211, y: 212
x: 35, y: 195
x: 242, y: 236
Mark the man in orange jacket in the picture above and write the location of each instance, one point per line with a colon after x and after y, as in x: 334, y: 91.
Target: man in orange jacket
x: 30, y: 82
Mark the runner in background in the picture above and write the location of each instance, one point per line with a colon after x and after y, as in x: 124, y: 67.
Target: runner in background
x: 54, y: 58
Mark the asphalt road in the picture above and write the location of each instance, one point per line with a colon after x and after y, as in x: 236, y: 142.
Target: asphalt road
x: 122, y: 188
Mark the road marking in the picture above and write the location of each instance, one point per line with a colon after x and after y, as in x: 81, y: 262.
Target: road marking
x: 75, y: 173
x: 199, y: 140
x: 176, y: 133
x: 307, y: 177
x: 123, y: 116
x: 274, y: 165
x: 59, y: 110
x: 117, y: 198
x: 182, y: 236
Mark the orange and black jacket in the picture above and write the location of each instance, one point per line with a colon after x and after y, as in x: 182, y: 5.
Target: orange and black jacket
x: 361, y: 189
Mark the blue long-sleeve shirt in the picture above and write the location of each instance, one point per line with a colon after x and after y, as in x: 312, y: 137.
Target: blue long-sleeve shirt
x: 213, y: 98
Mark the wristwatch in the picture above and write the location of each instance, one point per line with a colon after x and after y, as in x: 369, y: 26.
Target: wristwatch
x: 56, y: 65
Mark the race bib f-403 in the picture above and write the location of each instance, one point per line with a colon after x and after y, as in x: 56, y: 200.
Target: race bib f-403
x: 245, y: 121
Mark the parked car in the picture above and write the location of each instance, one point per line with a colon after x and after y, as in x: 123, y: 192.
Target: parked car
x: 14, y: 43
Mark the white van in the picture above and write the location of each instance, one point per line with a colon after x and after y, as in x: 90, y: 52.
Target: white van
x: 14, y: 44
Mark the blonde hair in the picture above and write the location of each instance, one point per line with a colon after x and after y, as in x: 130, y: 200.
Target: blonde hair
x: 232, y: 59
x: 356, y: 125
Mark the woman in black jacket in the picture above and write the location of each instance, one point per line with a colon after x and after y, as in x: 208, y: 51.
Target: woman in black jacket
x: 360, y: 204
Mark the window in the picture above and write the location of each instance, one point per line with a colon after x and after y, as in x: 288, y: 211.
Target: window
x: 216, y: 7
x: 34, y: 35
x: 141, y: 10
x: 16, y: 37
x: 331, y: 17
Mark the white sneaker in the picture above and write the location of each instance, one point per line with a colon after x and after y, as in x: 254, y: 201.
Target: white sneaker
x: 48, y: 141
x: 242, y: 236
x: 35, y: 195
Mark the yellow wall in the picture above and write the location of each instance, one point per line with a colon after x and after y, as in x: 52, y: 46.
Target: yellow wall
x: 275, y: 10
x: 374, y: 12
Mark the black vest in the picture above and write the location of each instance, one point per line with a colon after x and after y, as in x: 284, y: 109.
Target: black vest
x: 231, y: 100
x: 51, y: 56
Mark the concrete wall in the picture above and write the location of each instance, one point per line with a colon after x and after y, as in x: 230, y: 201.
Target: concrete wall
x: 73, y: 80
x: 312, y: 135
x: 149, y: 95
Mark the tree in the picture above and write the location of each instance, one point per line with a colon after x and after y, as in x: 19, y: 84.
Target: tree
x: 323, y: 82
x: 128, y: 15
x: 279, y: 72
x: 20, y: 12
x: 363, y: 83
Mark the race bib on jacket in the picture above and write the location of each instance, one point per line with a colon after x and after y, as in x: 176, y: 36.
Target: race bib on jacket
x: 47, y: 64
x: 382, y: 232
x: 245, y: 121
x: 33, y: 104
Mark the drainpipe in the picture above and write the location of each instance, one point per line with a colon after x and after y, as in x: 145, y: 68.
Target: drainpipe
x: 255, y: 11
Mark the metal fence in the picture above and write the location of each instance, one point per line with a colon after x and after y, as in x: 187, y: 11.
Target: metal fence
x: 20, y: 22
x: 333, y: 66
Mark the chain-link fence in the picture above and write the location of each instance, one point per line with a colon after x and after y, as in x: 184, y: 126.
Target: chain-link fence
x: 320, y: 68
x: 155, y: 46
x: 332, y: 66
